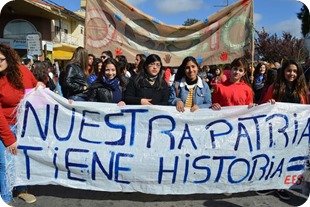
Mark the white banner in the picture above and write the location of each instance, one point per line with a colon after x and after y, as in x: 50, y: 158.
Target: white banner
x: 157, y: 150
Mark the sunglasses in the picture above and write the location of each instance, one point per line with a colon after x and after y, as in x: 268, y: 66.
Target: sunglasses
x: 104, y: 57
x: 2, y: 59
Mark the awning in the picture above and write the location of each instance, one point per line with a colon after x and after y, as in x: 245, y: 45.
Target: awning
x: 63, y: 51
x: 62, y: 55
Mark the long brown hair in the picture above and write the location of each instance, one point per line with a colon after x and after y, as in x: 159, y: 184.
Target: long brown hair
x: 80, y: 56
x: 221, y: 72
x: 300, y: 89
x: 12, y: 72
x: 242, y: 62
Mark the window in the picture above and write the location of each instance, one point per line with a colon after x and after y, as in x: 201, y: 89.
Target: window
x: 18, y: 29
x: 57, y: 29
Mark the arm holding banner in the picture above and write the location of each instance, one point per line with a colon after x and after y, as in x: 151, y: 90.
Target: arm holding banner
x: 173, y: 96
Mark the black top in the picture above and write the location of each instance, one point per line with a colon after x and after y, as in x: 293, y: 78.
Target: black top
x: 74, y: 81
x: 143, y: 89
x: 100, y: 92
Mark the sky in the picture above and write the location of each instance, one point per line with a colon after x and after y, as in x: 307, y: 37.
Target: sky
x: 275, y: 16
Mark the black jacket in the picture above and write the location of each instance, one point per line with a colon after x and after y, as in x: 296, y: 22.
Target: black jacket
x: 74, y: 81
x: 99, y: 93
x: 135, y: 92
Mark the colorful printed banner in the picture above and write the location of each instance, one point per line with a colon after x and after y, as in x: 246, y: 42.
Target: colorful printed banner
x: 157, y: 150
x: 123, y: 29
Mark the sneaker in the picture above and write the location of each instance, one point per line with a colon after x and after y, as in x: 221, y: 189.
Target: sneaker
x: 28, y: 198
x: 283, y: 194
x: 264, y: 192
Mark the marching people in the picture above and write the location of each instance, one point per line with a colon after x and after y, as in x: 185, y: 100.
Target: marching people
x: 15, y: 79
x: 205, y: 74
x: 75, y: 81
x: 290, y: 87
x: 218, y: 77
x: 148, y: 87
x: 125, y: 74
x: 270, y: 78
x: 40, y: 72
x: 140, y: 58
x: 236, y: 90
x: 106, y: 54
x: 189, y: 90
x: 91, y: 58
x: 107, y: 86
x: 258, y: 79
x: 97, y: 66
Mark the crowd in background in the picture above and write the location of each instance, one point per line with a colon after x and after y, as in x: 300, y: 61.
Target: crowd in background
x: 78, y: 84
x: 105, y: 78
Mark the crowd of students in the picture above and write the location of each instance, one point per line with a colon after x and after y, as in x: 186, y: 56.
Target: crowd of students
x: 114, y: 80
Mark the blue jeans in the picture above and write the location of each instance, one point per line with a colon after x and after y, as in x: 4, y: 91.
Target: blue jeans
x: 7, y: 172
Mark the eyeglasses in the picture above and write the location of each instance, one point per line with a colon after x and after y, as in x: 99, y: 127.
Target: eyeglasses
x: 155, y: 64
x: 104, y: 57
x: 2, y: 59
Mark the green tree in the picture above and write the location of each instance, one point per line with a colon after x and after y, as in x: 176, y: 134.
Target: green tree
x: 272, y: 48
x: 304, y: 16
x: 190, y: 22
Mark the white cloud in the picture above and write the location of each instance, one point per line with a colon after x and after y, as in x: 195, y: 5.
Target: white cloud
x: 257, y: 18
x: 293, y: 26
x: 135, y: 2
x: 173, y: 6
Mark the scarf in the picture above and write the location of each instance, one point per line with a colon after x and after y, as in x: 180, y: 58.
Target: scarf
x: 151, y: 80
x: 110, y: 83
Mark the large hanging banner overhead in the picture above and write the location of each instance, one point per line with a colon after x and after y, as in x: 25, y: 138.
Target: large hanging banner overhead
x: 117, y: 26
x: 157, y: 150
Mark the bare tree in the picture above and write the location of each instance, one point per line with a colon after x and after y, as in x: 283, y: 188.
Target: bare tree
x: 273, y: 48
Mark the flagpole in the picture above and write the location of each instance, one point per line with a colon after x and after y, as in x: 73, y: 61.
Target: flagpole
x: 253, y: 45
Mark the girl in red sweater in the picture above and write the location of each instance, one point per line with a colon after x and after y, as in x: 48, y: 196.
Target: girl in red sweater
x: 290, y: 86
x: 236, y: 89
x: 14, y: 79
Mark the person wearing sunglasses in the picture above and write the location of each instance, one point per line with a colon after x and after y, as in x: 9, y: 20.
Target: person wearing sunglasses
x: 106, y: 55
x: 236, y: 90
x: 14, y: 80
x: 149, y: 86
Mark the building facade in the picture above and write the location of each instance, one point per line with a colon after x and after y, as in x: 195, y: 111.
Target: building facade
x: 61, y: 31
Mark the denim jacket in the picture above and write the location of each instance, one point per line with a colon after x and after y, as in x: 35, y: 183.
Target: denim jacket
x: 179, y: 91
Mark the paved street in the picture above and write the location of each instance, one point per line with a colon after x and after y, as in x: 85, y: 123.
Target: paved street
x: 58, y: 196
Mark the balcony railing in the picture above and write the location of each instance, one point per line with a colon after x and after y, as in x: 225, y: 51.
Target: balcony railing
x: 61, y: 37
